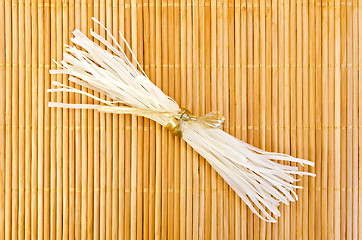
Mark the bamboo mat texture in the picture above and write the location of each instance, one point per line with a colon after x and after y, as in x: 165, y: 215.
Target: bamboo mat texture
x: 284, y: 73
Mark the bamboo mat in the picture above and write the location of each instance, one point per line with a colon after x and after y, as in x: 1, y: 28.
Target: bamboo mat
x: 284, y: 73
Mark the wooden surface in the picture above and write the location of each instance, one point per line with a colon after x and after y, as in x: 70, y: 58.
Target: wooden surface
x: 284, y: 73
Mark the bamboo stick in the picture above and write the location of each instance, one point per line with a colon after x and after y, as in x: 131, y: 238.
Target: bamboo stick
x: 214, y: 205
x: 121, y: 142
x: 325, y: 112
x: 84, y: 137
x: 293, y: 104
x: 249, y: 39
x: 8, y: 139
x: 28, y: 111
x: 318, y: 120
x: 255, y: 73
x: 305, y: 118
x: 115, y: 140
x: 140, y: 126
x: 103, y: 149
x: 66, y: 127
x: 189, y: 160
x: 183, y: 103
x: 355, y: 84
x: 109, y: 150
x: 255, y: 85
x: 152, y: 184
x: 35, y: 120
x: 147, y: 131
x: 281, y: 94
x: 337, y: 121
x: 84, y: 140
x: 208, y: 87
x: 312, y: 115
x: 3, y: 120
x: 22, y: 90
x: 232, y: 103
x: 202, y: 103
x: 268, y: 81
x: 121, y: 145
x: 171, y: 139
x: 287, y: 109
x: 220, y: 31
x: 225, y: 96
x: 164, y: 68
x: 78, y: 143
x: 331, y: 95
x: 159, y: 135
x: 87, y: 172
x: 93, y: 228
x: 177, y: 143
x: 244, y: 121
x: 91, y: 156
x: 196, y: 110
x: 72, y: 142
x: 343, y: 62
x: 15, y: 121
x: 238, y: 104
x: 349, y: 121
x: 59, y: 125
x: 41, y: 92
x: 262, y: 59
x: 128, y: 152
x: 300, y: 113
x: 274, y: 88
x: 189, y: 100
x: 249, y: 84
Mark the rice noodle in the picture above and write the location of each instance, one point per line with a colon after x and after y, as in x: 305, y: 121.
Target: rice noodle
x: 252, y: 173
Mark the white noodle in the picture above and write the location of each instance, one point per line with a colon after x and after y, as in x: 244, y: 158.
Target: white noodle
x: 252, y: 173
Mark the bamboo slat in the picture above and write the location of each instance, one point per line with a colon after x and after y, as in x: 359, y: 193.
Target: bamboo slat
x: 284, y: 73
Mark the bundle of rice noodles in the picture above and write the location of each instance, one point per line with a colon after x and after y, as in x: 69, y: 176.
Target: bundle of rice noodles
x: 255, y: 175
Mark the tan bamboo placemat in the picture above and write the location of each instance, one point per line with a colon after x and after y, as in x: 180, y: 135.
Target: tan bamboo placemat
x: 284, y: 73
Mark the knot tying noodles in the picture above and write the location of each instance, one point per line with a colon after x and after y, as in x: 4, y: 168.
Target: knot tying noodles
x: 176, y: 125
x: 177, y: 122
